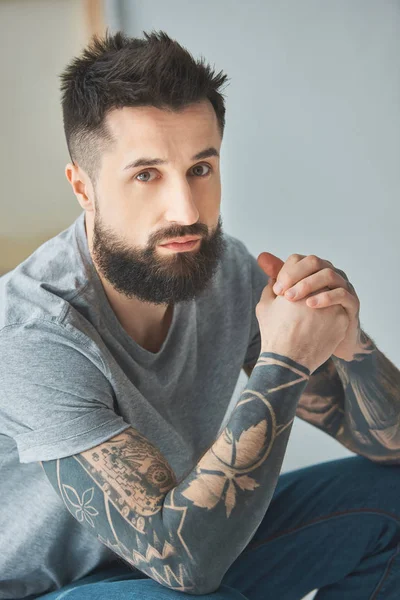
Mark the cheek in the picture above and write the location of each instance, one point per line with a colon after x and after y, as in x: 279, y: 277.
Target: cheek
x: 216, y: 184
x: 210, y: 196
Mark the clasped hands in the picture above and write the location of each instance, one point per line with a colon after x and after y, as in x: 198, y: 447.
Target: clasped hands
x: 323, y: 285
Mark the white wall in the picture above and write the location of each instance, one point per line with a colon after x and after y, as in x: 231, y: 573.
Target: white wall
x: 311, y: 152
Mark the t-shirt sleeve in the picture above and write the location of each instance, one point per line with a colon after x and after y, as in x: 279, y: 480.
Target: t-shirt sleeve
x: 259, y: 281
x: 55, y: 398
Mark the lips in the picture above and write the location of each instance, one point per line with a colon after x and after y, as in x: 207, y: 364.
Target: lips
x: 186, y: 247
x: 183, y: 240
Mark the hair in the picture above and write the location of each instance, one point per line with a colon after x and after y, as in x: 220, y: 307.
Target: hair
x: 117, y: 71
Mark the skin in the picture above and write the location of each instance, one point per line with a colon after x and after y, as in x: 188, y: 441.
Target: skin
x: 130, y: 212
x: 354, y: 396
x: 323, y: 285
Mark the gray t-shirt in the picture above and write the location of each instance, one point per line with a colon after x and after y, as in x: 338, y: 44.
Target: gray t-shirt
x: 71, y: 377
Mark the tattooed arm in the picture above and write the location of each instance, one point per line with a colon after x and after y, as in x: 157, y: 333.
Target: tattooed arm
x: 371, y: 391
x: 357, y: 402
x: 124, y: 491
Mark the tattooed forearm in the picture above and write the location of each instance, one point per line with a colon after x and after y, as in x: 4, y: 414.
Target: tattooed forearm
x: 116, y: 490
x: 322, y: 402
x: 127, y: 495
x: 357, y: 402
x: 220, y: 504
x: 371, y: 384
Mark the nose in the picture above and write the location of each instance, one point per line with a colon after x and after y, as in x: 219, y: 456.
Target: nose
x: 181, y: 205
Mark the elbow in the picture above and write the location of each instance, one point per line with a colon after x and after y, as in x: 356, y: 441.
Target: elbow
x: 205, y: 584
x: 204, y: 589
x: 197, y: 588
x: 200, y: 582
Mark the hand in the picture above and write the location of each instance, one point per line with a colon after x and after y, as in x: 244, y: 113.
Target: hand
x: 312, y: 276
x: 295, y: 331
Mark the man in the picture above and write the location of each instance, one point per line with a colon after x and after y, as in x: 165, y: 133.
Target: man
x: 125, y: 472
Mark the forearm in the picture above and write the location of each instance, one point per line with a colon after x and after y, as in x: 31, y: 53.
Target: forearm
x: 371, y: 385
x: 217, y: 508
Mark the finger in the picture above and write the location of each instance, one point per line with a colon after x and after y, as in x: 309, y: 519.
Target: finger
x: 336, y: 296
x: 270, y: 263
x: 298, y: 267
x: 328, y: 278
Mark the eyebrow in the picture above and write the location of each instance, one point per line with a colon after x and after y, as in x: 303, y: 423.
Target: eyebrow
x: 150, y: 162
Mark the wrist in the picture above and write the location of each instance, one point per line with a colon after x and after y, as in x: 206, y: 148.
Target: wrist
x: 294, y: 359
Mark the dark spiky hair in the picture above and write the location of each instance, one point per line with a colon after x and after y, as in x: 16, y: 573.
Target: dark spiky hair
x: 117, y: 71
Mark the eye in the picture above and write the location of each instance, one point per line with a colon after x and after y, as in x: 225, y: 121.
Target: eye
x: 200, y: 167
x: 143, y: 173
x: 196, y: 167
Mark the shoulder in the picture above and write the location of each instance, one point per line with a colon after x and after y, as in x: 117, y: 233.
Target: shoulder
x: 43, y: 284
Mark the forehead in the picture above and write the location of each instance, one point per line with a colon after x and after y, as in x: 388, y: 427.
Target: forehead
x: 139, y: 127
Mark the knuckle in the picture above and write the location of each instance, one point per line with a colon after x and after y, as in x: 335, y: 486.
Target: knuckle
x: 331, y: 275
x: 339, y: 310
x: 302, y: 288
x: 342, y: 274
x: 351, y: 287
x: 313, y: 260
x: 285, y: 280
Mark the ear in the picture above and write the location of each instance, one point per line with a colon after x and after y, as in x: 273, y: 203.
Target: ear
x: 81, y: 186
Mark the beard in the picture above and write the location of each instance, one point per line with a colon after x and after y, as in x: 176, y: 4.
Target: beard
x: 154, y: 279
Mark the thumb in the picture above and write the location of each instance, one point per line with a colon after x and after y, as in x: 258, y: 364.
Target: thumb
x: 270, y: 264
x: 268, y: 293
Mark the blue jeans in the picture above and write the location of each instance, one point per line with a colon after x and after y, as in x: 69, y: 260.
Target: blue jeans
x: 334, y: 526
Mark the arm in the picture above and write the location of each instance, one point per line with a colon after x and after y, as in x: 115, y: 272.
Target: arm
x: 357, y: 403
x: 125, y: 492
x: 322, y: 401
x: 371, y: 385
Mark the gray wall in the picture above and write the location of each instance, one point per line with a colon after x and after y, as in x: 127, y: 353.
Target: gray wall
x: 311, y: 153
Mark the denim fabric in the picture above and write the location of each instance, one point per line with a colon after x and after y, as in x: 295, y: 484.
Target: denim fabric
x: 334, y: 526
